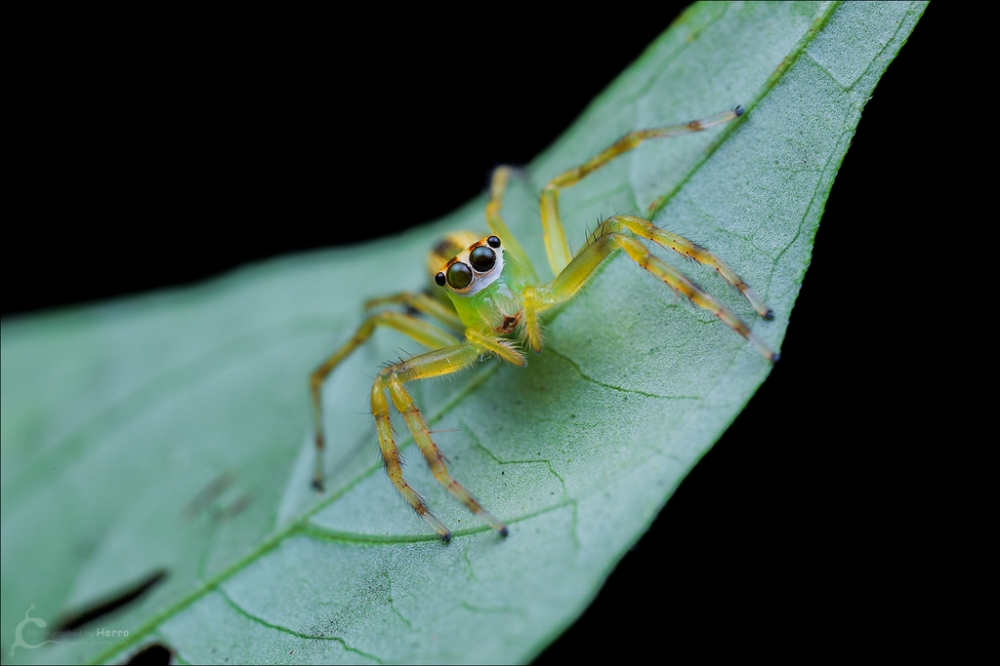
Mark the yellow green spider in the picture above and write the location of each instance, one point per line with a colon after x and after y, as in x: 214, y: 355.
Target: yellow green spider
x: 495, y: 301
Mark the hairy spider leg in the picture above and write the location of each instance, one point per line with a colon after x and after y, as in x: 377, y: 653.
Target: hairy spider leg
x: 423, y: 304
x: 682, y: 246
x: 556, y: 247
x: 425, y: 333
x: 604, y: 243
x: 431, y: 364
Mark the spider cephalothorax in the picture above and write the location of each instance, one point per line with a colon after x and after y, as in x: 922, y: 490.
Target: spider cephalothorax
x: 494, y: 293
x: 483, y: 289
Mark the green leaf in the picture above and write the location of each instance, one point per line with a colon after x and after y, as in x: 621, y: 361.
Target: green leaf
x: 171, y: 432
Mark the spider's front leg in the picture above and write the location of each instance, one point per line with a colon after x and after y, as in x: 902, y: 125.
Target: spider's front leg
x: 612, y: 235
x: 432, y: 364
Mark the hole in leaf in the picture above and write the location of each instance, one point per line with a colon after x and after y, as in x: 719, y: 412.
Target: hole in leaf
x: 100, y: 609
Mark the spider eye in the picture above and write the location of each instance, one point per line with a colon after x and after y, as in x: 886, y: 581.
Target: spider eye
x: 439, y: 279
x: 459, y: 275
x: 493, y: 242
x: 483, y: 259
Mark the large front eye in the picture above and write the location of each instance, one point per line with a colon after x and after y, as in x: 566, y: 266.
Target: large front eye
x: 459, y: 275
x: 483, y: 258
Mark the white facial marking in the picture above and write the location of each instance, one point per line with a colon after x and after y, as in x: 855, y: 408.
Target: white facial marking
x: 482, y: 280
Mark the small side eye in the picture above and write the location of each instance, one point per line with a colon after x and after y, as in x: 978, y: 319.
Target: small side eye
x: 459, y: 275
x: 439, y: 279
x: 483, y: 259
x: 493, y: 242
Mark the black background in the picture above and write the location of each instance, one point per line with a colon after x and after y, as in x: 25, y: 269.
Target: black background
x: 168, y: 151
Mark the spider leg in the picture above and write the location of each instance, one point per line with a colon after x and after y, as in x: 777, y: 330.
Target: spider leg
x: 680, y: 245
x: 556, y: 247
x: 498, y: 185
x: 568, y: 282
x: 431, y: 364
x: 604, y: 243
x: 681, y: 284
x: 423, y: 304
x: 423, y: 332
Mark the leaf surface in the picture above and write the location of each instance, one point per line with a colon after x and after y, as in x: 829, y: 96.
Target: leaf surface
x: 170, y: 432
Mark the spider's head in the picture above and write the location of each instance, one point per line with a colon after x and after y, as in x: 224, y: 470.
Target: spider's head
x: 473, y: 269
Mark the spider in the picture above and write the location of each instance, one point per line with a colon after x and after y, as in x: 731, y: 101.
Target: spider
x: 487, y: 289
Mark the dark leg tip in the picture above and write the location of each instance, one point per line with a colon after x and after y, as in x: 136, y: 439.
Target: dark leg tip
x: 317, y: 485
x: 769, y: 315
x: 446, y: 537
x: 504, y: 532
x: 739, y: 110
x: 775, y: 357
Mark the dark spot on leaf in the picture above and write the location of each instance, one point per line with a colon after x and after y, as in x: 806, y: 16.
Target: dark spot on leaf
x: 101, y: 608
x: 154, y: 654
x: 208, y: 494
x: 234, y: 509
